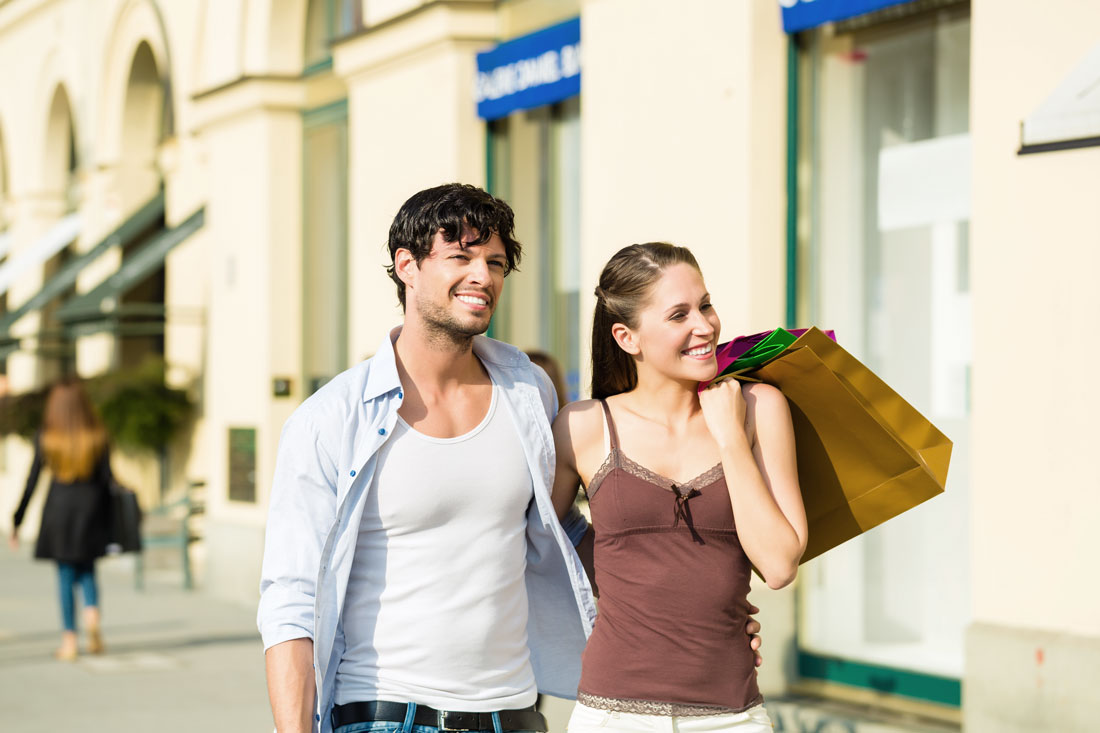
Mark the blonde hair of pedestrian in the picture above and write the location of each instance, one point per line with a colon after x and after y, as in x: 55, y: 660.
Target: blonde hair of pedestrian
x: 73, y: 437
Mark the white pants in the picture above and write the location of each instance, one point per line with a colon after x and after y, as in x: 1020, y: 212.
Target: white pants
x: 592, y: 720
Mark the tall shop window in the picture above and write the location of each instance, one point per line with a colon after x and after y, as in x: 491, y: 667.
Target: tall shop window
x: 534, y: 165
x: 884, y: 260
x: 324, y: 244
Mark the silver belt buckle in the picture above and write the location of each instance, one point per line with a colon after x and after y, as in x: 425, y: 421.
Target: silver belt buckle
x: 451, y: 720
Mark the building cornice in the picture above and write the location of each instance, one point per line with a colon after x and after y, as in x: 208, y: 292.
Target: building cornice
x: 431, y: 24
x: 14, y: 12
x: 248, y: 93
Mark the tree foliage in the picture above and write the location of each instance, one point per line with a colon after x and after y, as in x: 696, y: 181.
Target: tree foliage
x: 140, y: 411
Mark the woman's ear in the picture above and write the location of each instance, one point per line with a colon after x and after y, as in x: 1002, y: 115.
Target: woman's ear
x: 625, y: 338
x: 404, y: 264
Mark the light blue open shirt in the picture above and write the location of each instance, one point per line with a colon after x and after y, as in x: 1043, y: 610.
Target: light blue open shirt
x: 326, y: 462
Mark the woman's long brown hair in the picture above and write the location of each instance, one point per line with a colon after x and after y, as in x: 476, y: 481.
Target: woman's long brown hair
x: 73, y: 437
x: 624, y: 289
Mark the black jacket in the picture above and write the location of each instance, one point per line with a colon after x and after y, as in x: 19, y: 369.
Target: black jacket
x: 76, y: 518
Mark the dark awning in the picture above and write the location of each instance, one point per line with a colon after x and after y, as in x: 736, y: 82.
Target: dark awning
x: 102, y: 301
x: 60, y: 235
x: 140, y: 222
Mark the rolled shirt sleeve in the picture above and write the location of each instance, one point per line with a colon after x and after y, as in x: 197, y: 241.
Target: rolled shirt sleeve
x: 301, y: 513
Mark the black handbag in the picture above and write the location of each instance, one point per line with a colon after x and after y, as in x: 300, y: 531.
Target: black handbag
x: 125, y: 533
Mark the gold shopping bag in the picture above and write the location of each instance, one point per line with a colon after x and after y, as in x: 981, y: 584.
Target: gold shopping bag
x: 865, y: 455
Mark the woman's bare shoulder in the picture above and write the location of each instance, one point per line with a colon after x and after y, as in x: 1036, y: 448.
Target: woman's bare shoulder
x: 762, y: 392
x: 580, y: 418
x: 766, y: 403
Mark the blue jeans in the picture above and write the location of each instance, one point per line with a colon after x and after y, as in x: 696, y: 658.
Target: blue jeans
x: 385, y: 726
x: 68, y: 575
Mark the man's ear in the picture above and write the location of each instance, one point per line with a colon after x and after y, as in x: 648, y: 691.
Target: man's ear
x: 625, y: 338
x: 404, y: 264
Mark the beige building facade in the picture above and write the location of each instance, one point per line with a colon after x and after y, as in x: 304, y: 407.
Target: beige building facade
x: 221, y: 175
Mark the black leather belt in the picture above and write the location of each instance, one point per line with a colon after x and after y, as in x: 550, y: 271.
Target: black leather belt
x: 362, y: 712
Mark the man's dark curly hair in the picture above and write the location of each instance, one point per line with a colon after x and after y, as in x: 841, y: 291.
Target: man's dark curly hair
x: 444, y: 209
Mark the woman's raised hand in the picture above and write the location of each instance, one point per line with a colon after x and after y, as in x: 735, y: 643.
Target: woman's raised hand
x: 724, y: 410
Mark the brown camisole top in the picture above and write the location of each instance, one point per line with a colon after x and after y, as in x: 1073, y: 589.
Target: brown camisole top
x: 670, y: 634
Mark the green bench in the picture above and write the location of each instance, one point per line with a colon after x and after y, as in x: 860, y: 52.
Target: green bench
x: 170, y: 526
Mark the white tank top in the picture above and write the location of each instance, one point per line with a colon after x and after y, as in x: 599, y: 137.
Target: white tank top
x: 436, y: 606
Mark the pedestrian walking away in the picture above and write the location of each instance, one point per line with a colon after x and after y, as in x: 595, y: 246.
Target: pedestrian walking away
x: 688, y: 492
x: 75, y: 529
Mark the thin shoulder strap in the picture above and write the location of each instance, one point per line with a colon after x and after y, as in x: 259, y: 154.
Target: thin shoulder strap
x: 611, y: 426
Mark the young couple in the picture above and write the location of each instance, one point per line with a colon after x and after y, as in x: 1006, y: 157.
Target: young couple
x: 419, y: 569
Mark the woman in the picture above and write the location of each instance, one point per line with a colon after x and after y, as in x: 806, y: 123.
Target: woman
x: 75, y: 519
x: 688, y: 491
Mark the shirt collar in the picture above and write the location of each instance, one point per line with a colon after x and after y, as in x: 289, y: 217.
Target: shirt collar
x: 382, y: 377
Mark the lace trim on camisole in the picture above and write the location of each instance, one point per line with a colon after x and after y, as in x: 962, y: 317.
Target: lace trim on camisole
x: 617, y: 459
x: 682, y: 492
x: 649, y: 707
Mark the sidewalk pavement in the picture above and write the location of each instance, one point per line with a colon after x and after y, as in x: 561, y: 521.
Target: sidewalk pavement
x: 179, y: 662
x: 176, y: 660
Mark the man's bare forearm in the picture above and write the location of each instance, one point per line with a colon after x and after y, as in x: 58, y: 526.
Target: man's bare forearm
x: 290, y: 685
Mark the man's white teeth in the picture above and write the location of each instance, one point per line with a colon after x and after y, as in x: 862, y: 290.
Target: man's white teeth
x: 701, y: 351
x: 472, y: 300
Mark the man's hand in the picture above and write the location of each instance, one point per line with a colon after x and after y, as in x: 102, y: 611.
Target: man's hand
x: 752, y: 628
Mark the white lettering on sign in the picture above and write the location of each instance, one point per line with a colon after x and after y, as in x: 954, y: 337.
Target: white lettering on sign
x: 547, y: 68
x: 571, y: 60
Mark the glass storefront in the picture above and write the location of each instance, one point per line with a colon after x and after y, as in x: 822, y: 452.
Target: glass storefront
x: 534, y: 165
x: 884, y: 186
x: 324, y: 244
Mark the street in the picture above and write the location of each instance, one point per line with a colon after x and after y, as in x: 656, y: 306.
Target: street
x: 176, y: 660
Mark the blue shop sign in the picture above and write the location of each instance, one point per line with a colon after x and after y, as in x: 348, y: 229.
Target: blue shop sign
x: 798, y: 15
x: 541, y: 68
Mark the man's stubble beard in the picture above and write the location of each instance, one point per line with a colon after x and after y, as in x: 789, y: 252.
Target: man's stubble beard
x: 442, y: 327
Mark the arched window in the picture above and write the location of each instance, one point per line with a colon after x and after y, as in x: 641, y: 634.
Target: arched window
x: 61, y: 152
x: 144, y: 121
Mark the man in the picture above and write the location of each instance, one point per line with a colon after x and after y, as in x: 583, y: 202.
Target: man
x: 414, y: 569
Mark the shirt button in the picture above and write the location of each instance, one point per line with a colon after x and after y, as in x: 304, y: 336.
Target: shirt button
x: 353, y: 473
x: 381, y: 431
x: 316, y: 716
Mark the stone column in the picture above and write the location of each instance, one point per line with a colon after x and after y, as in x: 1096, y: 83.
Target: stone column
x: 412, y: 124
x: 33, y: 214
x: 251, y: 131
x: 688, y: 145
